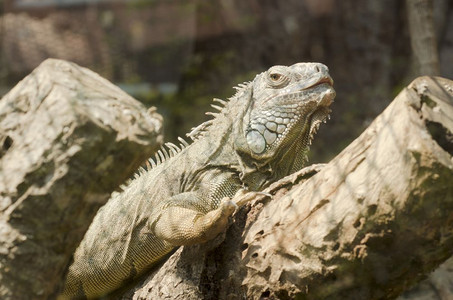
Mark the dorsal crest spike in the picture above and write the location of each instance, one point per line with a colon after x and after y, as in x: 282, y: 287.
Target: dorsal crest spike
x: 183, y: 141
x: 157, y: 158
x: 198, y: 131
x: 122, y: 187
x: 151, y: 161
x: 172, y: 152
x: 194, y: 131
x: 173, y: 146
x: 222, y: 102
x: 141, y: 170
x: 161, y: 155
x: 210, y: 113
x: 165, y: 152
x: 216, y: 107
x: 242, y: 86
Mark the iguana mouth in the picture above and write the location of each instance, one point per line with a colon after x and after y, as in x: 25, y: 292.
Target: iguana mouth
x: 324, y: 80
x: 316, y: 81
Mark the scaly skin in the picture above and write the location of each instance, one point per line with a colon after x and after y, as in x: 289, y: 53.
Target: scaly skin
x: 260, y: 135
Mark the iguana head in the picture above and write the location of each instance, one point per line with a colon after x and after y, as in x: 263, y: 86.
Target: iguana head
x: 287, y: 106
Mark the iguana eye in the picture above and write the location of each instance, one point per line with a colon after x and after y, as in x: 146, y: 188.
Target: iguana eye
x: 275, y: 76
x: 277, y: 79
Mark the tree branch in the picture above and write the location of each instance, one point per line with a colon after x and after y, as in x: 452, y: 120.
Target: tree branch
x: 372, y: 222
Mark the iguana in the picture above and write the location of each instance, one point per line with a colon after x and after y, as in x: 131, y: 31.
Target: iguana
x: 259, y: 136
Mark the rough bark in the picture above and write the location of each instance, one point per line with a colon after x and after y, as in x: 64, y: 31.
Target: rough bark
x: 68, y: 138
x: 373, y: 221
x: 423, y: 36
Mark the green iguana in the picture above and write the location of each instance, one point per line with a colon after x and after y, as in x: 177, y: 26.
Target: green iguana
x: 259, y: 136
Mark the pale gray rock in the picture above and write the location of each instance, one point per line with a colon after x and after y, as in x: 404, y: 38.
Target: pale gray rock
x: 68, y: 139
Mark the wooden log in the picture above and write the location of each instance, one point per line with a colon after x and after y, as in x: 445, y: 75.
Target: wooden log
x: 68, y: 139
x: 373, y: 221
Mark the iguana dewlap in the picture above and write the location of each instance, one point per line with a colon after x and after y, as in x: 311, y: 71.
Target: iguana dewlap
x: 259, y: 136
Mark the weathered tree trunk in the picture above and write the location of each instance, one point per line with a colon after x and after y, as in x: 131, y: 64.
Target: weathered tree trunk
x: 423, y: 36
x: 372, y: 222
x: 68, y: 138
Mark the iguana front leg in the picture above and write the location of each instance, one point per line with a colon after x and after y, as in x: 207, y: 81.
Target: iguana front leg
x: 182, y: 221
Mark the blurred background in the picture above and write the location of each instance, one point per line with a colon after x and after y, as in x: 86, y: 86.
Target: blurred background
x: 179, y: 54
